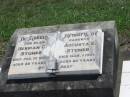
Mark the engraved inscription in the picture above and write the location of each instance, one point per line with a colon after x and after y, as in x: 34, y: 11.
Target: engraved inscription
x: 82, y: 50
x: 28, y: 55
x: 62, y: 52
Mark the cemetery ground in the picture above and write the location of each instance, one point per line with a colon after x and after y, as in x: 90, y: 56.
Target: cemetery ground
x: 16, y: 14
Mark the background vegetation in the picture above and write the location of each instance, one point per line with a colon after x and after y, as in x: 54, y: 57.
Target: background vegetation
x: 31, y: 13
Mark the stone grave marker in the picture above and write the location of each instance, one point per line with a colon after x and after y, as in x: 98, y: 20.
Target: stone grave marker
x: 73, y: 52
x: 73, y: 60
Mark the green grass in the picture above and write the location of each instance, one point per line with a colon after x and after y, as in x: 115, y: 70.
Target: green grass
x: 32, y: 13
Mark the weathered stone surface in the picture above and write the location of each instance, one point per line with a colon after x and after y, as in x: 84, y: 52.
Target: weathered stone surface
x: 103, y: 85
x: 61, y: 53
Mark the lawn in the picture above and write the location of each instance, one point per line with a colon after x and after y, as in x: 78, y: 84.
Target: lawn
x: 32, y: 13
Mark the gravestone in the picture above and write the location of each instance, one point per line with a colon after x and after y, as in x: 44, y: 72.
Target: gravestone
x: 62, y: 60
x: 60, y: 53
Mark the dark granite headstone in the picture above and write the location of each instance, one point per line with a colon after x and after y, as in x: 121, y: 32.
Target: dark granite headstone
x: 71, y: 84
